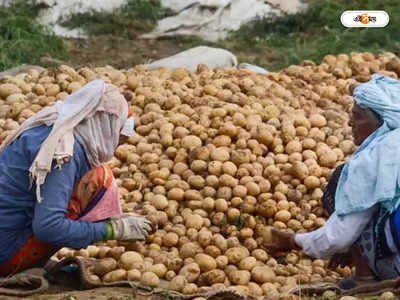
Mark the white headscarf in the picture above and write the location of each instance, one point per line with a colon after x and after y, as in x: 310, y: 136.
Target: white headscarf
x: 95, y: 114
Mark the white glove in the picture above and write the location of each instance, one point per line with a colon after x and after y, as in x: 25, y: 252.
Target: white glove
x: 130, y: 227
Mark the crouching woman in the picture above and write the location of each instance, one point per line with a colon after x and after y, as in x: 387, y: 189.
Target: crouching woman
x: 54, y: 190
x: 363, y: 195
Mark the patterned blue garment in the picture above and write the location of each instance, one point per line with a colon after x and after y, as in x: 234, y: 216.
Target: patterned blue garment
x: 20, y: 214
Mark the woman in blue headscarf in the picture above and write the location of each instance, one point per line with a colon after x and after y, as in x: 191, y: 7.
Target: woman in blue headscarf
x: 364, y: 222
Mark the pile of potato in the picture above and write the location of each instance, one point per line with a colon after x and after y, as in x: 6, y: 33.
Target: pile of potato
x: 217, y: 157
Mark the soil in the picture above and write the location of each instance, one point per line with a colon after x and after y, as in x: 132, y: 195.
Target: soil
x: 119, y: 52
x: 109, y: 293
x: 124, y: 53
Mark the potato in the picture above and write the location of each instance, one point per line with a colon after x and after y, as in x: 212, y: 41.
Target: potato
x: 260, y: 254
x: 150, y: 279
x: 103, y: 250
x: 94, y: 278
x: 212, y: 277
x: 175, y: 264
x: 300, y: 170
x: 222, y: 261
x: 255, y: 289
x: 116, y: 275
x: 189, y: 250
x: 236, y: 254
x: 104, y: 266
x: 177, y: 283
x: 262, y: 274
x: 93, y: 251
x: 293, y: 147
x: 170, y: 239
x: 283, y: 216
x: 159, y: 269
x: 129, y: 259
x: 82, y: 253
x: 219, y: 154
x: 247, y: 263
x: 317, y: 120
x: 241, y: 277
x: 328, y: 158
x: 195, y: 221
x: 190, y: 142
x: 159, y: 202
x: 7, y: 89
x: 268, y: 287
x: 191, y: 272
x: 133, y: 275
x: 204, y: 238
x: 65, y: 252
x: 205, y: 262
x: 176, y: 194
x: 73, y: 87
x: 220, y: 242
x: 387, y: 296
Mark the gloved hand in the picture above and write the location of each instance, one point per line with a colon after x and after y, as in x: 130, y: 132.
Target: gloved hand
x: 130, y: 227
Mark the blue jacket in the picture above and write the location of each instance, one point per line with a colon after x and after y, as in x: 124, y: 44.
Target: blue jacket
x: 20, y: 214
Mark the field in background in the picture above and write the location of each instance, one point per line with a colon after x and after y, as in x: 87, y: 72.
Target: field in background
x: 23, y: 40
x: 276, y: 42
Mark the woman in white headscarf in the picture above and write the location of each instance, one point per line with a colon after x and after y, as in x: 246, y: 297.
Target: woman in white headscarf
x: 364, y: 220
x: 54, y: 190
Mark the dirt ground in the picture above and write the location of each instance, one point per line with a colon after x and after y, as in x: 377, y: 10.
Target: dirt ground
x: 118, y: 52
x: 109, y: 293
x: 124, y: 53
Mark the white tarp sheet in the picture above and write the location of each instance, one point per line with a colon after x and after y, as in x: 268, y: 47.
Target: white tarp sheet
x: 177, y: 5
x: 212, y: 57
x: 286, y: 6
x: 212, y: 20
x: 190, y: 59
x: 52, y: 12
x: 254, y: 68
x: 207, y: 19
x: 57, y: 11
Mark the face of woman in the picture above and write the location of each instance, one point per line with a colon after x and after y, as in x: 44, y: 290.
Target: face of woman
x: 362, y: 123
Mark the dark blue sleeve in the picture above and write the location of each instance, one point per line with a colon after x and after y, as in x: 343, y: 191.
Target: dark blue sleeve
x: 50, y: 224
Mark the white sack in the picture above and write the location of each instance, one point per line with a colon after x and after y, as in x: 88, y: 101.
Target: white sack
x: 211, y: 20
x: 253, y: 68
x: 190, y: 59
x: 53, y: 12
x: 177, y: 5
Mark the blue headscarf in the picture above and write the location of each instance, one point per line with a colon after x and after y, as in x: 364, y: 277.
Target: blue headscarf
x: 372, y: 175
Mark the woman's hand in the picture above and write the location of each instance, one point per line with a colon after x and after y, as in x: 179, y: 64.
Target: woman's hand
x: 340, y: 260
x: 283, y: 241
x: 131, y: 227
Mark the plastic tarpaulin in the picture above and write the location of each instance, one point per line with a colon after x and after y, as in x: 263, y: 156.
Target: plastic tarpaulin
x: 190, y: 59
x: 212, y: 20
x: 212, y: 57
x: 52, y: 12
